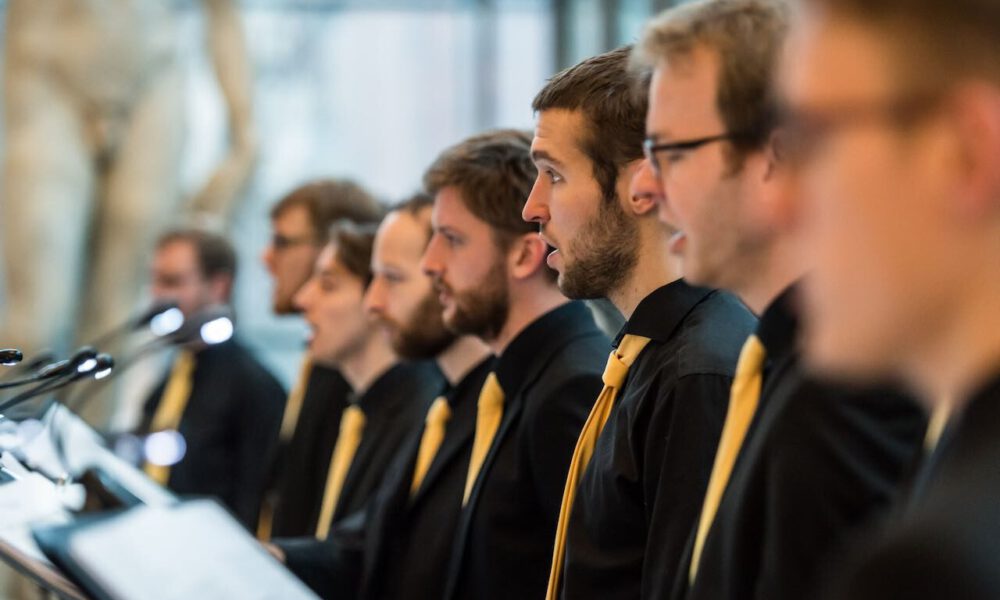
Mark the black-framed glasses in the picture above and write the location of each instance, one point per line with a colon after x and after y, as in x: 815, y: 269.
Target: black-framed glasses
x: 282, y: 242
x: 653, y: 151
x: 805, y: 133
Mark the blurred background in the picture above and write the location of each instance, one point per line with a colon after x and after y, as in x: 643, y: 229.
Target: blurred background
x: 366, y: 89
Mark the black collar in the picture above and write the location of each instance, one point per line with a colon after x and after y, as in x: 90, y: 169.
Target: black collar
x: 471, y: 383
x: 536, y: 342
x: 778, y: 328
x: 984, y: 403
x: 658, y: 315
x: 389, y: 384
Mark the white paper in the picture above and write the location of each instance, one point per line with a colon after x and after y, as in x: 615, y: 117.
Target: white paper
x: 29, y: 501
x: 191, y: 550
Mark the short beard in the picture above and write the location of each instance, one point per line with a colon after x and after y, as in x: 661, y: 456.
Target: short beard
x: 604, y: 254
x: 483, y: 310
x: 425, y: 336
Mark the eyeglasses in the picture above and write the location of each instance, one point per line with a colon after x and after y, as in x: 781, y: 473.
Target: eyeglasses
x: 283, y: 242
x: 805, y: 133
x: 654, y: 151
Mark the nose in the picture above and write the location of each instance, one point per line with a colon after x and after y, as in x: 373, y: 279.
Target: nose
x: 374, y: 300
x: 430, y: 262
x: 536, y: 208
x: 304, y: 297
x: 267, y: 257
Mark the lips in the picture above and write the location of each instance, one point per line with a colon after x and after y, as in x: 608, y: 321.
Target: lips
x: 553, y: 258
x: 677, y: 242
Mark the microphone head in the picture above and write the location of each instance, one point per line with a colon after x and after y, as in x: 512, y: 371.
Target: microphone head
x: 80, y: 362
x: 10, y: 356
x: 212, y: 325
x: 83, y: 355
x: 163, y: 316
x: 103, y: 365
x: 156, y: 308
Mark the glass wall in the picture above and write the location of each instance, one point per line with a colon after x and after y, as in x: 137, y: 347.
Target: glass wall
x: 373, y: 90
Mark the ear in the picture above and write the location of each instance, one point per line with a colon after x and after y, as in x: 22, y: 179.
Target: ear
x: 976, y: 116
x: 779, y: 207
x: 526, y: 256
x: 635, y: 204
x: 221, y: 288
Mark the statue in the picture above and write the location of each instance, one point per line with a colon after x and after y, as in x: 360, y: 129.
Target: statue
x: 94, y: 131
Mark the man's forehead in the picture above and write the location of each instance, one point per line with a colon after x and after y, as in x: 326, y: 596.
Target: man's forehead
x: 683, y: 93
x: 295, y: 216
x: 829, y: 57
x: 556, y: 135
x: 401, y: 238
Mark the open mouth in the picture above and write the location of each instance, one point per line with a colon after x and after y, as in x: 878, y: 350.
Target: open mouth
x: 677, y: 242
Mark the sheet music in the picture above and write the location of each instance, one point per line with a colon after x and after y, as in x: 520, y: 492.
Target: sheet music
x: 28, y: 501
x: 191, y: 550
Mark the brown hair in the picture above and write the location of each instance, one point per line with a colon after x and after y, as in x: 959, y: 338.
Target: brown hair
x: 328, y: 201
x: 215, y: 254
x: 747, y: 36
x: 354, y: 246
x: 604, y: 89
x: 494, y: 174
x: 933, y: 41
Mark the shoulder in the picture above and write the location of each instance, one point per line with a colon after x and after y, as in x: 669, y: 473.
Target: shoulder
x: 815, y: 406
x: 944, y: 555
x: 712, y: 334
x: 250, y: 373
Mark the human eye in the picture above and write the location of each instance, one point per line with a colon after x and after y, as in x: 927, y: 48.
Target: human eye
x: 327, y: 284
x: 676, y: 155
x: 553, y: 176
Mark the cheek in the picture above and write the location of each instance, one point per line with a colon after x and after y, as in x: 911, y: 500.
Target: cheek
x: 463, y: 273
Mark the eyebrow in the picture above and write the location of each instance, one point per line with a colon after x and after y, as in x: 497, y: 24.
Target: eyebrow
x: 537, y: 155
x: 447, y: 229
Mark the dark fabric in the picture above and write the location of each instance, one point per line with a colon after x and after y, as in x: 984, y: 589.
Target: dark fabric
x: 395, y: 538
x: 551, y: 375
x: 301, y: 465
x: 946, y: 546
x: 394, y: 407
x: 230, y: 425
x: 642, y: 492
x: 819, y: 462
x: 412, y: 538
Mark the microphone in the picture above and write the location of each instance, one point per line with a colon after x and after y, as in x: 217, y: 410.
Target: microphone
x: 86, y: 363
x: 162, y: 317
x: 10, y: 356
x: 55, y: 369
x: 212, y: 325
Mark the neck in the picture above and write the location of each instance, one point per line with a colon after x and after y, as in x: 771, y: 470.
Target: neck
x: 778, y: 267
x: 458, y: 359
x: 654, y: 269
x: 964, y: 353
x: 371, y: 360
x: 529, y: 300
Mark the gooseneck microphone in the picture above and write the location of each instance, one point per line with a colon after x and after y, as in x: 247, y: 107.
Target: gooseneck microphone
x: 151, y: 316
x: 213, y: 325
x: 10, y: 356
x: 55, y: 369
x: 85, y: 364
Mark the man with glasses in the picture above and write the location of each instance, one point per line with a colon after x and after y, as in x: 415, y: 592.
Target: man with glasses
x: 643, y: 460
x: 801, y: 464
x: 299, y: 223
x: 895, y: 118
